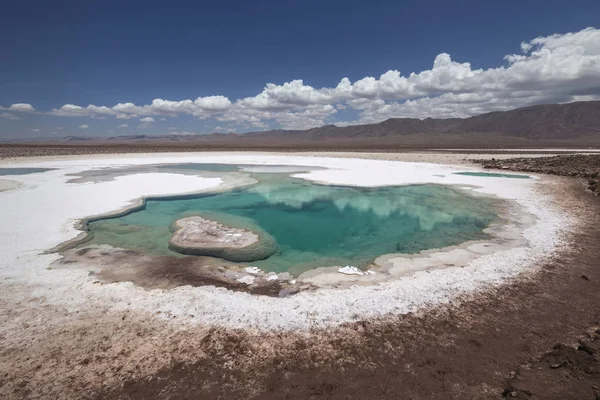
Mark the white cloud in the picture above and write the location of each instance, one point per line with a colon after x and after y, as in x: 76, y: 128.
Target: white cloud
x: 34, y: 130
x: 123, y: 126
x: 172, y: 128
x: 6, y: 115
x: 214, y: 103
x: 21, y: 107
x: 146, y: 123
x: 83, y: 126
x: 69, y: 110
x: 312, y: 117
x: 548, y: 69
x: 221, y: 129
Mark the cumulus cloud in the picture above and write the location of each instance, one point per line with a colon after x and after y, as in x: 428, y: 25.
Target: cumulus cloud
x: 21, y: 107
x: 549, y: 69
x: 123, y: 126
x: 34, y: 130
x: 83, y: 126
x: 224, y: 129
x: 146, y: 122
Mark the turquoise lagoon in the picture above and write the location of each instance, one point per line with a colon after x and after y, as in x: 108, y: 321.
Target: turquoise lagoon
x: 314, y: 225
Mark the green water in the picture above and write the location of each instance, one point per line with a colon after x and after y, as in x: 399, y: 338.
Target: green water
x: 493, y: 175
x: 314, y: 225
x: 22, y: 171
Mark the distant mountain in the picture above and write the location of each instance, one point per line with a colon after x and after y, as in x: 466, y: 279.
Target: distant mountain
x: 130, y: 137
x: 74, y: 138
x: 549, y: 121
x: 551, y: 125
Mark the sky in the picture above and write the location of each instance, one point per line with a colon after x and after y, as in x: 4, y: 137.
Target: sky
x: 113, y: 68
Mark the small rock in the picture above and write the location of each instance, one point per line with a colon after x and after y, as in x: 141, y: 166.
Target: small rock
x: 253, y: 270
x: 592, y: 370
x: 584, y: 277
x: 516, y: 394
x: 248, y: 280
x: 350, y: 270
x: 590, y: 349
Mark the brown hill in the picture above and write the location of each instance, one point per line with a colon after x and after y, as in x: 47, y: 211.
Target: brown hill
x: 549, y: 121
x: 573, y: 125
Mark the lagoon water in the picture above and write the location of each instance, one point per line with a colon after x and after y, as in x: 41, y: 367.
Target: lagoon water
x: 22, y: 171
x: 314, y: 225
x: 493, y: 175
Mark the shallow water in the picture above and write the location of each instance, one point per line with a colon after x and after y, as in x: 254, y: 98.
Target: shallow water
x: 208, y: 169
x: 22, y: 171
x: 314, y: 225
x: 493, y: 175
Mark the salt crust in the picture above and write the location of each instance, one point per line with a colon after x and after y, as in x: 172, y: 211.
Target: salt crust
x: 7, y: 184
x: 43, y: 212
x: 350, y: 270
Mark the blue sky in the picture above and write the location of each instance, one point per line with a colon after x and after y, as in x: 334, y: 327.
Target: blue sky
x: 223, y: 54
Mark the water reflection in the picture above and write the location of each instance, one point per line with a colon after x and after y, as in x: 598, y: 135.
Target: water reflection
x: 315, y: 225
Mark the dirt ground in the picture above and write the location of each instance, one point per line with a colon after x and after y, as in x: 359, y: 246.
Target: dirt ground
x: 536, y: 338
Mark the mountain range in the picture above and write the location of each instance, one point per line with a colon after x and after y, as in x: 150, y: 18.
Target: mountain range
x: 550, y: 125
x: 549, y: 121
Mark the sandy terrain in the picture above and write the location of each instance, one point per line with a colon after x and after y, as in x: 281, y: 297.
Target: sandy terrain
x: 480, y: 346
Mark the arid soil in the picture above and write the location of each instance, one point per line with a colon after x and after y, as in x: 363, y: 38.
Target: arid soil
x: 536, y: 338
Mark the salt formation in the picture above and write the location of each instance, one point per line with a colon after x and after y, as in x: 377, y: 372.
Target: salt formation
x: 204, y: 237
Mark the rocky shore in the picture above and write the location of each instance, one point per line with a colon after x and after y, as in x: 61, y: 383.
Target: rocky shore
x: 583, y: 167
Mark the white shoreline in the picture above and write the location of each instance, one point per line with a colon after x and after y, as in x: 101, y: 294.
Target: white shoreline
x: 42, y: 214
